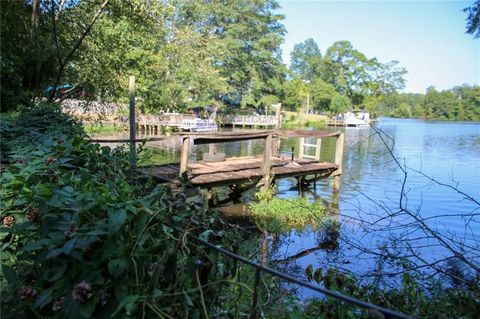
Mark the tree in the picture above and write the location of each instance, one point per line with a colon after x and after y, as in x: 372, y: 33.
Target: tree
x: 182, y: 52
x: 306, y: 60
x: 321, y: 94
x: 345, y: 68
x: 354, y: 75
x: 473, y: 19
x: 340, y: 104
x: 249, y: 55
x: 295, y: 92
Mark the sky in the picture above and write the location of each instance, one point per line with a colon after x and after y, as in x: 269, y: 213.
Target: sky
x: 426, y: 37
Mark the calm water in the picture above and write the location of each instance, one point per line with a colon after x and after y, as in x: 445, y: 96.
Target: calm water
x: 371, y: 185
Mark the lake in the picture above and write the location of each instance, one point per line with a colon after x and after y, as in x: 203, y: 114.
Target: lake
x: 440, y: 194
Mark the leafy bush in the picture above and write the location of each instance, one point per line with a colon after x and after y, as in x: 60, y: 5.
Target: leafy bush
x: 409, y: 298
x: 293, y: 212
x: 81, y: 238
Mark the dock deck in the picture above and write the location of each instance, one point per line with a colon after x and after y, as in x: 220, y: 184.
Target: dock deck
x: 240, y: 170
x: 250, y: 169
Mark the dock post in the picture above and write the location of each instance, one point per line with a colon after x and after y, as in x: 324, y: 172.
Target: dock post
x: 212, y: 149
x: 133, y: 133
x: 318, y: 149
x: 184, y: 155
x: 278, y: 126
x: 267, y: 155
x: 338, y: 161
x: 302, y: 147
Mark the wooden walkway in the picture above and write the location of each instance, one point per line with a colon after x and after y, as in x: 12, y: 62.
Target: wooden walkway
x: 240, y: 170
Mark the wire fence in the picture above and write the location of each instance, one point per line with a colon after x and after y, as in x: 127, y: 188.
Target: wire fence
x: 335, y: 294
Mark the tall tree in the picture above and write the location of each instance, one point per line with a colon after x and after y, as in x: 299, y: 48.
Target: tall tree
x: 321, y: 94
x: 295, y: 93
x: 306, y: 60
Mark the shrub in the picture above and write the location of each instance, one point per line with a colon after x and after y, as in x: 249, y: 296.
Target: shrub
x: 81, y: 238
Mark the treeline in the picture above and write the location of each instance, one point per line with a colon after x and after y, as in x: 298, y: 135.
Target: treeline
x: 181, y: 52
x: 343, y: 79
x: 188, y: 53
x: 460, y: 103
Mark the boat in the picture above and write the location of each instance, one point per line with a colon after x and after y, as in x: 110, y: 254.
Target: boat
x: 204, y: 120
x: 357, y: 119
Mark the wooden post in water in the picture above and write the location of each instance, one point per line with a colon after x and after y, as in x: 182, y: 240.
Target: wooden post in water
x: 278, y: 125
x: 302, y: 147
x: 212, y: 148
x: 267, y: 155
x: 133, y: 133
x: 184, y: 155
x: 318, y: 149
x: 338, y: 161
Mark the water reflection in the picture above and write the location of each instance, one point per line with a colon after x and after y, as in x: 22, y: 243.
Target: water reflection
x: 371, y: 185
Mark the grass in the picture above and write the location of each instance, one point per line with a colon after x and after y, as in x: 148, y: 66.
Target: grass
x: 102, y: 128
x: 155, y: 156
x: 292, y: 212
x: 295, y: 120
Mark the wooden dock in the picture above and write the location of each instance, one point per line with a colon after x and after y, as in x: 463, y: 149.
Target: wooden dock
x: 249, y: 169
x: 240, y: 170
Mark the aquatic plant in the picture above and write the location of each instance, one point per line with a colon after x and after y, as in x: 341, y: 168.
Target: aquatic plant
x: 292, y: 212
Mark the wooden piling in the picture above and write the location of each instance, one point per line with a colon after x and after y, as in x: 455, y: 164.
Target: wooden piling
x: 278, y: 126
x: 184, y: 155
x: 318, y: 149
x: 339, y: 153
x: 267, y: 156
x: 338, y: 161
x: 133, y: 133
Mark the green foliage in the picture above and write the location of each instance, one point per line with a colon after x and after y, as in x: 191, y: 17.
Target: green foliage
x: 462, y: 103
x: 321, y: 94
x: 340, y: 104
x: 295, y: 93
x: 102, y: 128
x: 342, y: 71
x: 81, y: 238
x: 182, y: 52
x: 409, y: 298
x: 282, y: 212
x: 306, y: 60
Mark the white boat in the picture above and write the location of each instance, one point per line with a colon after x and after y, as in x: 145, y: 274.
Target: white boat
x: 358, y: 119
x: 199, y: 124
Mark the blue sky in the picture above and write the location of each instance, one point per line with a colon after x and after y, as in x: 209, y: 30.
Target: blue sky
x: 427, y: 37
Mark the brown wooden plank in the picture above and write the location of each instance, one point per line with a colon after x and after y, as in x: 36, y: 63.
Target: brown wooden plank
x: 305, y: 133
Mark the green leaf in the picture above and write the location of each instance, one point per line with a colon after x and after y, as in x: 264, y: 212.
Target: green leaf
x: 54, y: 253
x: 206, y: 234
x: 186, y: 299
x: 43, y: 298
x: 117, y: 267
x: 69, y: 246
x: 10, y: 274
x: 116, y: 220
x: 317, y: 276
x: 127, y: 300
x: 87, y: 308
x: 96, y: 232
x: 57, y: 271
x: 36, y: 245
x: 157, y: 293
x: 309, y: 272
